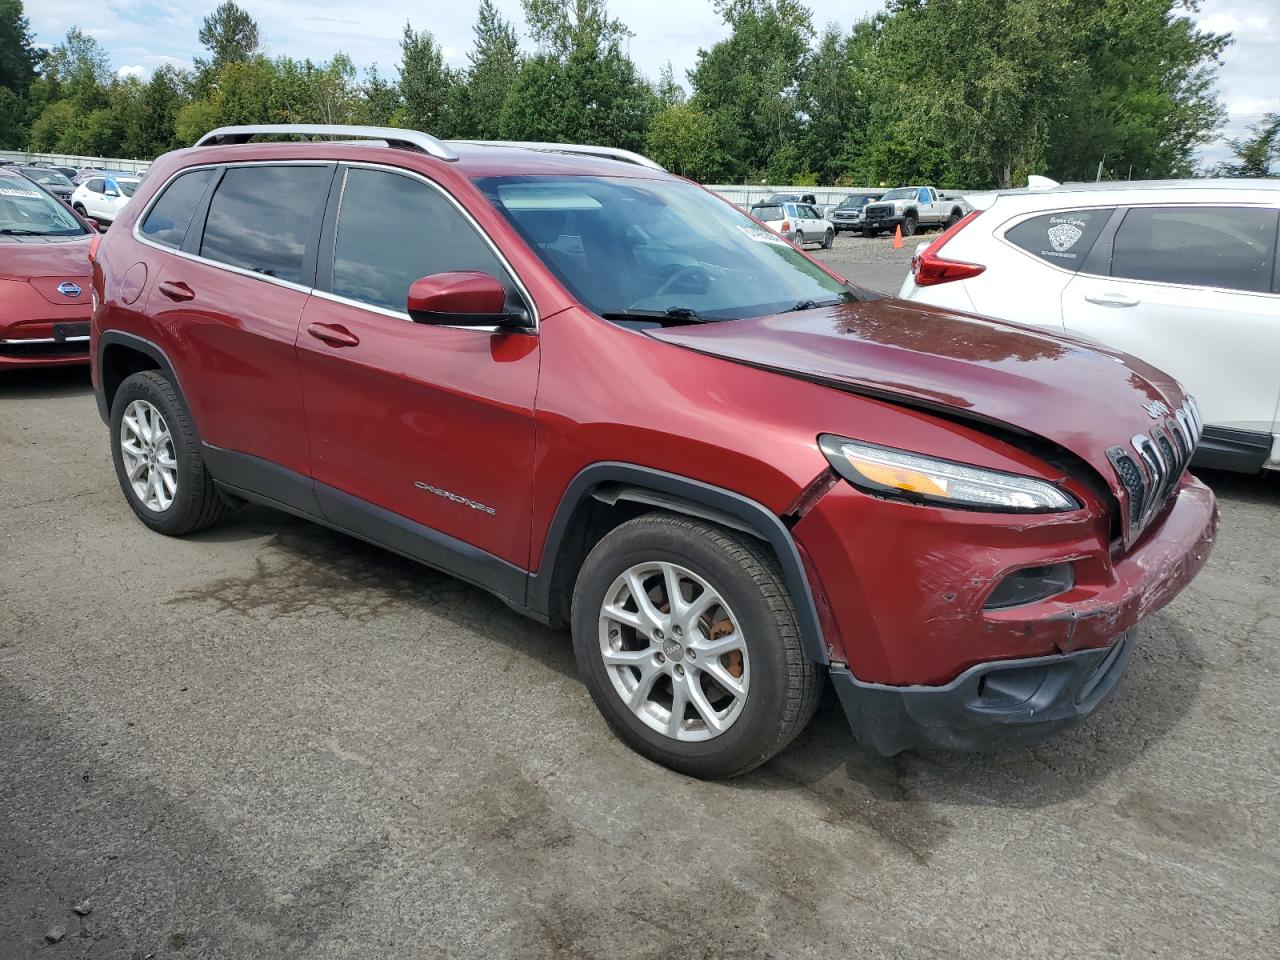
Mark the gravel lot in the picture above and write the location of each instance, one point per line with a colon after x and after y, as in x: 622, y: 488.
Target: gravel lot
x: 872, y: 262
x: 269, y: 740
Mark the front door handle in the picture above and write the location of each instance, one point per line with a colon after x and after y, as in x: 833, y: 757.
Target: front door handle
x: 1112, y: 299
x: 334, y: 334
x: 177, y: 290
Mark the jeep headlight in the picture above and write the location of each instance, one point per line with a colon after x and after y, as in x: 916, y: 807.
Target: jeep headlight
x: 887, y: 472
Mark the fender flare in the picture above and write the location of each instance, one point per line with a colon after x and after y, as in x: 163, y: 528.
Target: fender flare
x: 612, y: 481
x: 139, y: 345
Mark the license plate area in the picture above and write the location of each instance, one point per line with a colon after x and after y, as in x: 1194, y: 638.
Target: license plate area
x: 62, y: 332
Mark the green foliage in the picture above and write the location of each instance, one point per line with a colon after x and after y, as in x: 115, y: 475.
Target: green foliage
x: 748, y: 83
x: 495, y: 64
x: 1258, y: 155
x: 426, y: 84
x: 959, y: 93
x: 580, y: 87
x: 683, y: 139
x: 230, y: 34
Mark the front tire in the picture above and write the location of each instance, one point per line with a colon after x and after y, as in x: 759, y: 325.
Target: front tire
x: 687, y: 641
x: 909, y: 226
x: 79, y: 208
x: 157, y: 458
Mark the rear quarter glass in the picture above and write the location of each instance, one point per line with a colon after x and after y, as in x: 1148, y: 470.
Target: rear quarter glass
x: 1063, y: 238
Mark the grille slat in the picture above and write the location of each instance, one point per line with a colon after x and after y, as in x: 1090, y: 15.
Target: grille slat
x: 1150, y: 466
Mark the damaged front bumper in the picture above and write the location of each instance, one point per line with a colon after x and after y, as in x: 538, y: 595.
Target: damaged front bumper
x: 965, y: 677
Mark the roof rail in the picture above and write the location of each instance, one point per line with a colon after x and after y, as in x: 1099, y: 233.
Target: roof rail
x: 392, y: 136
x: 583, y: 149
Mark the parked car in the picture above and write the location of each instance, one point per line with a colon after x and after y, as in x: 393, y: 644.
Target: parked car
x: 69, y: 172
x: 798, y: 222
x: 607, y: 396
x: 102, y: 198
x: 51, y: 180
x: 776, y: 198
x: 45, y: 302
x: 912, y: 209
x: 849, y: 213
x: 1182, y: 274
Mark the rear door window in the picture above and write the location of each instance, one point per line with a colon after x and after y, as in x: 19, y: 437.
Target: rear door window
x: 1232, y: 248
x: 393, y: 230
x: 261, y: 218
x: 170, y: 216
x: 1063, y: 238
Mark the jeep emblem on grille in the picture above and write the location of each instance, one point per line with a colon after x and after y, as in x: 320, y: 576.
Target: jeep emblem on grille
x: 1156, y: 409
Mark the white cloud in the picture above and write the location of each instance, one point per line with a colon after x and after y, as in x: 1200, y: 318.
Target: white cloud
x: 133, y: 70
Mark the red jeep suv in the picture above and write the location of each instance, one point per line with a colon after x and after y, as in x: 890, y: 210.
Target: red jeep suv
x: 617, y: 402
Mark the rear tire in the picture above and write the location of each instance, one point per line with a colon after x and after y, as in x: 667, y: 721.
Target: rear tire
x: 660, y: 657
x: 952, y: 220
x: 153, y: 440
x: 799, y: 240
x: 828, y: 239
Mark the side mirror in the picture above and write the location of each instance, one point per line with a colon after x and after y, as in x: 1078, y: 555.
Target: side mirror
x: 111, y: 192
x: 463, y: 299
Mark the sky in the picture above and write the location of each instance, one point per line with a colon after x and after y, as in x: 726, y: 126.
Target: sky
x: 140, y: 35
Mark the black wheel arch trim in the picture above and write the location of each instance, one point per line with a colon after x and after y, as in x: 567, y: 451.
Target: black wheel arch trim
x: 613, y: 480
x: 139, y: 345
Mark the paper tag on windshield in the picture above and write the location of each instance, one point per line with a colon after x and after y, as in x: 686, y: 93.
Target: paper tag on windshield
x: 12, y: 192
x: 761, y: 235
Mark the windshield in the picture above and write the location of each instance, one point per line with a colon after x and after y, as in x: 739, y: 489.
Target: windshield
x: 27, y: 211
x: 42, y: 175
x: 621, y: 244
x: 856, y: 201
x: 902, y: 193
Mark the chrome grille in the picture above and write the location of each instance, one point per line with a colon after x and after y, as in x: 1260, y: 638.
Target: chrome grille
x: 1150, y: 465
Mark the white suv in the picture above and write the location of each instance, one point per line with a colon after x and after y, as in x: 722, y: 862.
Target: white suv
x: 102, y: 198
x: 1183, y: 274
x: 800, y: 223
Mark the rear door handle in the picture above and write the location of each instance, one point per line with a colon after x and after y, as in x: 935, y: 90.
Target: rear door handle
x: 334, y: 334
x: 177, y: 290
x: 1112, y: 299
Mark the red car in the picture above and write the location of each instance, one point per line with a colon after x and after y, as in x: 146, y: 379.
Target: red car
x: 45, y: 301
x: 621, y: 405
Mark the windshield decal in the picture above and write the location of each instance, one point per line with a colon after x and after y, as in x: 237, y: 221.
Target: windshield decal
x: 15, y: 192
x: 761, y: 235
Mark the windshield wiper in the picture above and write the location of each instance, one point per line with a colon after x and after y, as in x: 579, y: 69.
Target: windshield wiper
x: 814, y: 305
x: 11, y: 232
x: 686, y: 314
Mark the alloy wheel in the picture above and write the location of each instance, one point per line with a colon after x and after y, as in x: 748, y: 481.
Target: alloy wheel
x: 150, y: 462
x: 674, y: 651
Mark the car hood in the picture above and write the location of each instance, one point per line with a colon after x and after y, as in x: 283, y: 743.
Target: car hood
x: 22, y: 258
x: 1079, y: 396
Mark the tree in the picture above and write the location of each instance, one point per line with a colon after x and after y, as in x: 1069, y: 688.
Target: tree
x: 683, y: 139
x: 425, y: 83
x: 668, y: 89
x: 1258, y: 155
x: 19, y: 57
x: 580, y: 87
x: 495, y: 64
x: 381, y: 98
x: 230, y: 35
x: 748, y: 83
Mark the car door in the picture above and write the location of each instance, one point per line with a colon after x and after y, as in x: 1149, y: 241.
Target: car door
x: 410, y: 422
x: 232, y: 299
x: 94, y: 202
x: 113, y: 198
x: 1191, y: 290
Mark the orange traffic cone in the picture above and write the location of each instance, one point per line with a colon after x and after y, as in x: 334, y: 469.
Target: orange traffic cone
x: 897, y: 237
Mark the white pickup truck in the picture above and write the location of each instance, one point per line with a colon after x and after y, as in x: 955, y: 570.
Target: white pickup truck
x: 913, y: 208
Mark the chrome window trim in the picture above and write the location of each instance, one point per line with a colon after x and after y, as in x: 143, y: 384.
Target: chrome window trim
x: 196, y: 258
x: 466, y: 215
x: 1008, y: 224
x: 315, y: 291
